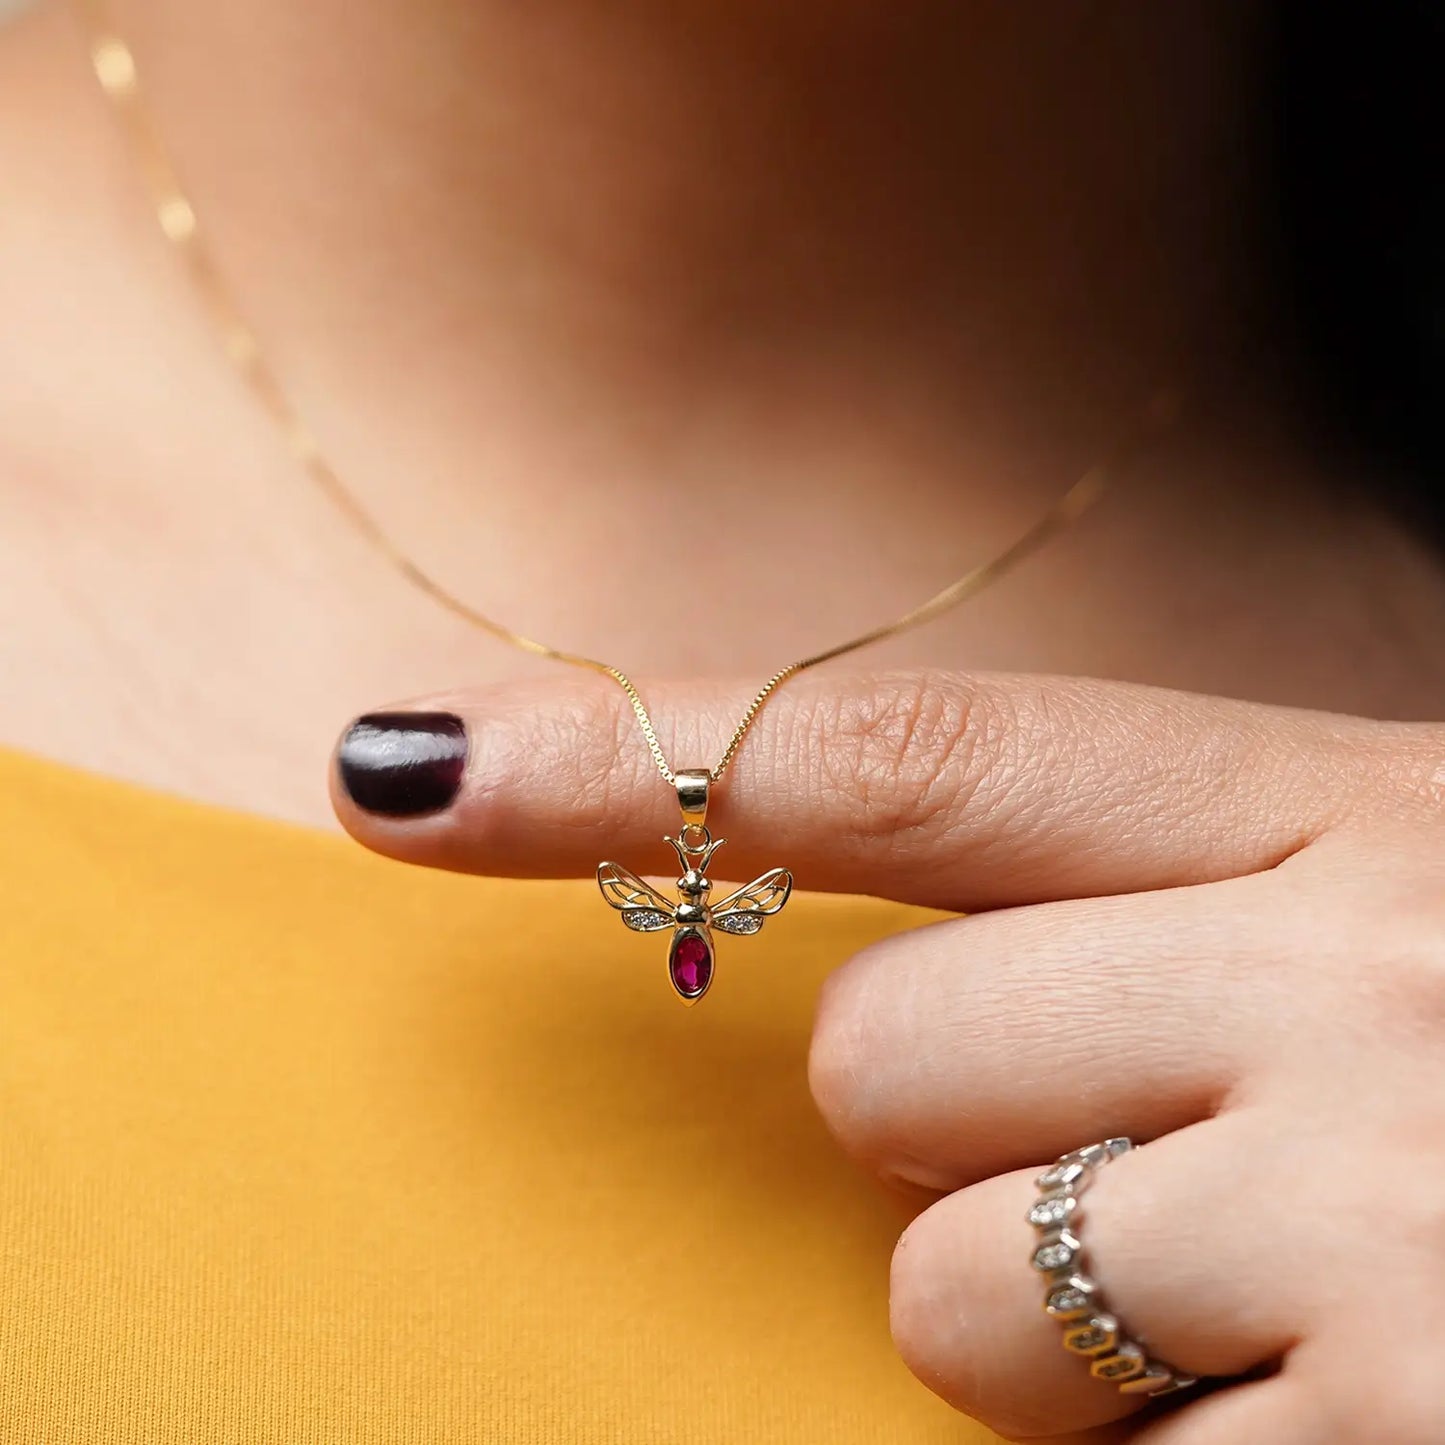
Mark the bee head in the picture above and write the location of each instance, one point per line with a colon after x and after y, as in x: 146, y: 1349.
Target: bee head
x: 693, y: 884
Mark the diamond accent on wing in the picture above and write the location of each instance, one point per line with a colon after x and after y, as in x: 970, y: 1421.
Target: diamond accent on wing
x: 739, y: 922
x: 645, y: 920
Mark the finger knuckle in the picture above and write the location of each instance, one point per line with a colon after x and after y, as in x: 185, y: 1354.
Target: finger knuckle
x: 870, y: 1069
x: 943, y: 1316
x: 846, y: 1060
x: 925, y: 1332
x: 1395, y: 943
x: 909, y: 752
x: 1408, y: 1200
x: 1408, y: 984
x: 1364, y: 921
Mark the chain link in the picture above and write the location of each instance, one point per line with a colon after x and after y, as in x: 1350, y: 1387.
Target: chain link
x: 115, y: 68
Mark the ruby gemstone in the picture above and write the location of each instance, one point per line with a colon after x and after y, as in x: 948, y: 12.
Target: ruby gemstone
x: 691, y: 965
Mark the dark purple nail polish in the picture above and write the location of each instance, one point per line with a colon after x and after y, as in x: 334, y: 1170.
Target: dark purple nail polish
x: 403, y: 763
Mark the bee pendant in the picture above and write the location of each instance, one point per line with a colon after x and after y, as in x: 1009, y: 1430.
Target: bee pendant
x: 691, y: 918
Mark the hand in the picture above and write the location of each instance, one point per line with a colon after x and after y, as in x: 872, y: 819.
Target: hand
x: 1216, y: 927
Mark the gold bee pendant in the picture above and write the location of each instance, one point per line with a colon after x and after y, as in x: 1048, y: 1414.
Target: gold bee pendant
x: 691, y: 917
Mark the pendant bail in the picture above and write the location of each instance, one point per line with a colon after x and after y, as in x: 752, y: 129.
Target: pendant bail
x: 692, y: 795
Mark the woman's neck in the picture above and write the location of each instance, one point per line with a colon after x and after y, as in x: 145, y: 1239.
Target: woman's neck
x: 669, y: 223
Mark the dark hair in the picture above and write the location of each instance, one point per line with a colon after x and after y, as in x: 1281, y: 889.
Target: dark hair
x: 1359, y: 161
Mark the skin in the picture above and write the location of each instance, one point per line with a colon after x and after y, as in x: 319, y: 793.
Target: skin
x: 554, y: 282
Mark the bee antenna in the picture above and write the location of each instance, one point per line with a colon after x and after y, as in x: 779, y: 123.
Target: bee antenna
x: 695, y: 857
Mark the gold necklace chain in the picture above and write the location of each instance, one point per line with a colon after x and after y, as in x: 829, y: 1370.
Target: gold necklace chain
x: 115, y: 68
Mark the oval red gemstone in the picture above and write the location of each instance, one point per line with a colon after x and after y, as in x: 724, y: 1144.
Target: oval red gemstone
x: 691, y: 965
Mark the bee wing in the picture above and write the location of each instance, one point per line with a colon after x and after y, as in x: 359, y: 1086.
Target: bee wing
x: 643, y: 908
x: 744, y: 911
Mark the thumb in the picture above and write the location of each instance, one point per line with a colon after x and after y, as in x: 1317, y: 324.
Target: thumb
x: 957, y: 791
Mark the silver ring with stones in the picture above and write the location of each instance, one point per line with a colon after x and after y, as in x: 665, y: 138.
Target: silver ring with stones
x: 1073, y: 1297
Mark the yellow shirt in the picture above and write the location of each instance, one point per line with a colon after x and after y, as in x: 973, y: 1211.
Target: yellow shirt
x: 298, y: 1145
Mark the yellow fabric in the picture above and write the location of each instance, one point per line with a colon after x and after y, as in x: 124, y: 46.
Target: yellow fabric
x: 298, y: 1145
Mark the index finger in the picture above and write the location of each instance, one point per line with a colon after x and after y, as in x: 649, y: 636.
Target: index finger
x: 952, y: 790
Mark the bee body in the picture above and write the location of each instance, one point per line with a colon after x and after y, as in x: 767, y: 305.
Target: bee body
x: 691, y: 917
